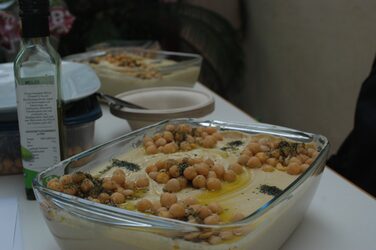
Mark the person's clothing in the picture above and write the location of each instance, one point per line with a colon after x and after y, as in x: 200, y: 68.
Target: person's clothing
x: 356, y: 158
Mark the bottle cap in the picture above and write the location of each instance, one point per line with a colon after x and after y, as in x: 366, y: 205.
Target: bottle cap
x: 34, y: 15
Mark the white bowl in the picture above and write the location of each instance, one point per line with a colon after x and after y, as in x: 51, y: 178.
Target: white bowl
x: 163, y: 103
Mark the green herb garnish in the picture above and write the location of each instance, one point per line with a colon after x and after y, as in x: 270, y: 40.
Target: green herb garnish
x: 232, y: 145
x: 270, y: 190
x: 182, y: 166
x: 125, y: 164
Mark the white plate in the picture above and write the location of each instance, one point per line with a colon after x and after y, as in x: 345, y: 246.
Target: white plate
x: 78, y: 81
x: 163, y: 103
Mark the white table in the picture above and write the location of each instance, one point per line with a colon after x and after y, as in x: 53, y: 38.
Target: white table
x: 341, y: 216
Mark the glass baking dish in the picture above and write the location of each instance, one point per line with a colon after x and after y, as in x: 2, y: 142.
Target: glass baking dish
x: 122, y: 69
x: 82, y: 224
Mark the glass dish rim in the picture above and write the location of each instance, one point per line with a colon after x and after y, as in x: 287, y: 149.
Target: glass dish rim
x: 101, y: 52
x: 255, y: 128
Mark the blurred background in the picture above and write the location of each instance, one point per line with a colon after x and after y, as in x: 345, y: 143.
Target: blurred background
x: 293, y: 63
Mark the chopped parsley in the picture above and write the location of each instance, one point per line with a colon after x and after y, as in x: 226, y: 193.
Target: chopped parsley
x: 125, y: 164
x: 232, y: 145
x: 269, y: 190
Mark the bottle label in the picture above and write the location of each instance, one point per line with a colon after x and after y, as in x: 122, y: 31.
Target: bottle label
x: 38, y: 124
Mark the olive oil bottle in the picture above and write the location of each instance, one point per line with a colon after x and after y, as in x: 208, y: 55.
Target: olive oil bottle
x: 38, y: 90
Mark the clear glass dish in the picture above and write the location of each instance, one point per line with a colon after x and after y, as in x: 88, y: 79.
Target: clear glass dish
x: 122, y: 69
x: 82, y: 224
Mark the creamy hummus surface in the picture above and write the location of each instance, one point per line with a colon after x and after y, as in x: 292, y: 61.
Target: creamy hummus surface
x: 195, y: 174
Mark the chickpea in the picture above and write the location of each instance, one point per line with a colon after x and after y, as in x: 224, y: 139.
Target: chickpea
x: 243, y: 159
x: 54, y: 184
x: 168, y: 136
x: 202, y: 169
x: 294, y: 169
x: 191, y: 236
x: 195, y: 208
x: 151, y: 168
x: 156, y: 136
x: 189, y: 139
x: 118, y: 179
x: 190, y: 201
x: 254, y: 162
x: 204, y: 212
x: 151, y: 150
x: 214, y: 240
x: 78, y: 177
x: 170, y: 148
x: 237, y: 217
x: 117, y: 198
x: 86, y: 185
x: 128, y: 192
x: 199, y: 181
x: 183, y: 182
x: 103, y: 197
x: 144, y: 205
x: 212, y: 219
x: 215, y: 208
x: 272, y: 161
x: 108, y: 185
x: 218, y: 136
x: 309, y: 161
x: 142, y: 182
x: 209, y: 162
x: 170, y: 127
x: 212, y: 174
x: 185, y: 146
x: 304, y: 167
x: 267, y: 168
x: 172, y: 186
x: 213, y: 184
x: 128, y: 184
x: 219, y: 170
x: 210, y: 130
x: 237, y: 168
x: 184, y: 128
x: 226, y: 235
x: 66, y: 179
x: 149, y: 143
x: 118, y: 172
x: 167, y: 199
x: 262, y: 156
x: 160, y: 142
x: 162, y: 178
x: 70, y: 190
x: 254, y: 147
x: 177, y: 211
x: 160, y: 165
x: 153, y: 175
x: 209, y: 142
x: 280, y: 167
x: 156, y: 206
x: 164, y: 214
x: 190, y: 173
x: 229, y: 176
x: 193, y: 161
x: 311, y: 152
x: 295, y: 159
x: 205, y: 235
x: 147, y: 139
x: 174, y: 171
x: 302, y: 158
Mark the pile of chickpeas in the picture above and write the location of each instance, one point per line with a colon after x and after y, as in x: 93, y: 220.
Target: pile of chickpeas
x: 109, y: 190
x: 188, y: 209
x: 177, y: 174
x: 182, y: 137
x: 265, y: 153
